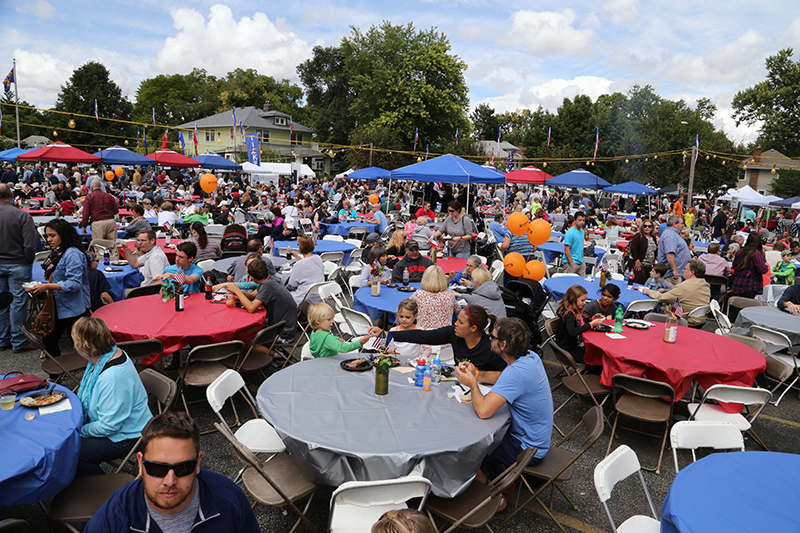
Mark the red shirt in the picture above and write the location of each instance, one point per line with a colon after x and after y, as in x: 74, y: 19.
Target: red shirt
x: 429, y: 214
x: 98, y: 206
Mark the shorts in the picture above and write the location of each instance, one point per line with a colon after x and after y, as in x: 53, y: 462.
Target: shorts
x: 504, y: 456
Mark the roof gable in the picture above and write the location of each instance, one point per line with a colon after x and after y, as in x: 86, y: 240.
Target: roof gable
x: 250, y: 117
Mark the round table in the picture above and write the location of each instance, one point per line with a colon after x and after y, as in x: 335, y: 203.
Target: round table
x: 553, y: 250
x: 338, y: 429
x: 386, y: 303
x: 320, y: 248
x: 39, y: 455
x: 119, y: 281
x: 557, y: 287
x: 221, y: 265
x: 39, y: 212
x: 734, y: 492
x: 162, y: 243
x: 201, y: 322
x: 452, y: 264
x: 768, y: 317
x: 697, y: 354
x: 343, y: 228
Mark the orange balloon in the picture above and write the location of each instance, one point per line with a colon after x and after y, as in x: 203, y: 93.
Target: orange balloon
x: 119, y: 172
x: 534, y: 270
x: 514, y: 264
x: 374, y: 199
x: 208, y: 182
x: 109, y: 175
x: 518, y: 223
x: 539, y: 231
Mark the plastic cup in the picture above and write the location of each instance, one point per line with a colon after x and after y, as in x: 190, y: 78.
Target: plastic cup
x: 7, y: 400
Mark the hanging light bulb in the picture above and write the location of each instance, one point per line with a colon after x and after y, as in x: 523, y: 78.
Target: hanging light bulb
x: 655, y: 156
x: 626, y: 160
x: 744, y: 167
x: 126, y: 142
x: 419, y: 159
x: 684, y: 153
x: 707, y: 158
x: 587, y: 163
x: 544, y: 165
x: 55, y: 133
x: 714, y: 156
x: 772, y: 171
x: 646, y: 159
x: 723, y: 162
x: 71, y: 123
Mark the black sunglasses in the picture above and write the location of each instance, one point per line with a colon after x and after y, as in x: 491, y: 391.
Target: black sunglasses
x: 155, y: 469
x: 492, y: 337
x: 647, y: 226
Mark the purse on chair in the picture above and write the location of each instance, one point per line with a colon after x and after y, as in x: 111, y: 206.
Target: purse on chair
x: 45, y: 321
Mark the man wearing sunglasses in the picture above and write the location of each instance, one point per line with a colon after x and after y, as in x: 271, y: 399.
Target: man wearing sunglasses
x: 173, y: 493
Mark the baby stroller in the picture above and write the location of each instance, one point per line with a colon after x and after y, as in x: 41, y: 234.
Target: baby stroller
x: 234, y: 240
x: 525, y: 299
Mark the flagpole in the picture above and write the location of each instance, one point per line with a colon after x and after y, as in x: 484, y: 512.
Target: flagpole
x: 16, y: 97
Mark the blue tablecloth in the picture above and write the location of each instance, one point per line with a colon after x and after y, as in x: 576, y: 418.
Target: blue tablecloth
x: 376, y: 306
x: 39, y: 456
x: 558, y: 286
x: 343, y: 228
x: 119, y: 281
x: 553, y: 250
x: 734, y: 492
x: 321, y: 247
x: 86, y: 233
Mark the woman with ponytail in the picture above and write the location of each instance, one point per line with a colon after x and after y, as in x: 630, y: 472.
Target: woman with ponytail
x: 469, y: 337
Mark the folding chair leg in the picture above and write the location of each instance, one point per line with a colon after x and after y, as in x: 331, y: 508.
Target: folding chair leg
x: 757, y: 439
x: 657, y: 469
x: 564, y: 494
x: 613, y: 430
x: 785, y: 391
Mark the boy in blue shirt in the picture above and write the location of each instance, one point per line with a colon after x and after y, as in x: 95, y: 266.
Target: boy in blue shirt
x: 183, y: 269
x: 573, y: 246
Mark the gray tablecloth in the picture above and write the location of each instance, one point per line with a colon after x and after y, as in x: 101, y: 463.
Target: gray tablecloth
x: 768, y: 317
x: 338, y: 429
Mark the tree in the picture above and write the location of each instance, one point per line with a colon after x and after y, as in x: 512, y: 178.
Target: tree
x: 787, y: 184
x: 89, y: 83
x: 387, y: 141
x: 773, y: 102
x: 328, y: 95
x: 32, y: 122
x: 484, y: 122
x: 177, y: 98
x: 246, y: 87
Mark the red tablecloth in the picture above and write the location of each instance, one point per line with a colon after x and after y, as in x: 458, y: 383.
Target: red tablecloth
x: 125, y: 212
x: 627, y: 235
x: 698, y: 354
x: 621, y: 245
x: 201, y: 322
x: 451, y: 264
x: 162, y: 243
x: 38, y: 212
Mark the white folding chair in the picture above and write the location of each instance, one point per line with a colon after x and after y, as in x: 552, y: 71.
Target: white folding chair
x: 206, y: 265
x: 336, y: 238
x: 305, y: 352
x: 776, y: 342
x: 686, y: 435
x: 721, y: 393
x: 620, y: 464
x: 356, y: 323
x: 358, y: 243
x: 723, y: 324
x: 356, y: 505
x: 640, y: 306
x: 335, y: 257
x: 699, y: 312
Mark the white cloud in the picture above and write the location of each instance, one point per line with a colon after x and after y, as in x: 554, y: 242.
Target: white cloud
x: 221, y: 44
x: 551, y: 94
x: 734, y: 63
x: 41, y: 9
x: 548, y: 32
x: 621, y: 11
x: 40, y: 76
x: 794, y: 32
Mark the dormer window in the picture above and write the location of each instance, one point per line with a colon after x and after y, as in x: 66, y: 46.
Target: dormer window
x: 280, y: 121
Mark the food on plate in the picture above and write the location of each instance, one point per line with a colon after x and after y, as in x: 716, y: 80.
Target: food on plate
x: 466, y: 397
x: 39, y: 401
x: 355, y: 363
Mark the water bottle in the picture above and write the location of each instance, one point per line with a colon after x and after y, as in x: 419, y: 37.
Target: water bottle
x: 426, y: 379
x: 436, y: 370
x: 630, y: 279
x: 208, y: 289
x: 419, y: 375
x: 405, y: 277
x: 618, y: 319
x: 106, y: 258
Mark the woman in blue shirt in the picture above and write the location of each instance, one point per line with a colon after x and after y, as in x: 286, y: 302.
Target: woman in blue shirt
x: 347, y: 212
x: 67, y: 270
x: 113, y: 398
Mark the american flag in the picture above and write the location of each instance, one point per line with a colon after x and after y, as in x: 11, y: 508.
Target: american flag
x: 416, y: 138
x: 548, y: 137
x: 696, y: 147
x: 195, y: 139
x: 154, y: 118
x: 456, y: 136
x: 95, y: 111
x: 233, y: 128
x: 596, y: 143
x: 180, y: 276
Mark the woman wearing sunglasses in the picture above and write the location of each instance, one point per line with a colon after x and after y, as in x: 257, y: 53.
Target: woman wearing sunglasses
x: 642, y: 251
x: 459, y: 229
x: 113, y: 398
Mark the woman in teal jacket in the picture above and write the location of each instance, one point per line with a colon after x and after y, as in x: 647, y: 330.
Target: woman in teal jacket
x: 113, y: 398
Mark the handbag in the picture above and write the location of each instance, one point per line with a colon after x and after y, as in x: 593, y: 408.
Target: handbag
x: 45, y: 322
x: 21, y: 382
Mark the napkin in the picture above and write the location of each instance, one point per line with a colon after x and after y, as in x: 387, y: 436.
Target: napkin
x: 615, y: 336
x: 404, y: 369
x: 63, y: 405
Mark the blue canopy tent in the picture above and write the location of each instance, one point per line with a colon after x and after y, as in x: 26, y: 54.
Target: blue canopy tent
x: 630, y: 187
x: 580, y: 179
x: 209, y: 160
x: 11, y: 154
x: 369, y: 173
x: 449, y: 169
x: 786, y: 203
x: 117, y: 155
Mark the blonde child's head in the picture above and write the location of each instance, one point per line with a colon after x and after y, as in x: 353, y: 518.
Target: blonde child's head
x: 317, y: 313
x: 480, y: 276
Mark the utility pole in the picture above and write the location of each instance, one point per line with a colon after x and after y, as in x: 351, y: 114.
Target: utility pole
x: 370, y: 154
x: 691, y: 176
x: 16, y: 97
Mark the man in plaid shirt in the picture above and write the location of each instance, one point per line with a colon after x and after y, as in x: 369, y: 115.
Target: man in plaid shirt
x: 100, y: 208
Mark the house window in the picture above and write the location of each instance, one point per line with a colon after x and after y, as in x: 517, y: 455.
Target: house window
x: 264, y: 136
x: 210, y: 136
x: 742, y: 175
x: 280, y: 121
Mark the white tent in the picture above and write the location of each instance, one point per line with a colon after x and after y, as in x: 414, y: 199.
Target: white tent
x: 345, y: 173
x: 746, y: 196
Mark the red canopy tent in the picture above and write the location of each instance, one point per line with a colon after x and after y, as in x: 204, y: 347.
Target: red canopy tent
x: 60, y: 153
x: 529, y: 174
x: 170, y: 158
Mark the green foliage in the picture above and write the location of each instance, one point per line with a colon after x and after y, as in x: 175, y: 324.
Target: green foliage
x: 389, y: 76
x: 787, y: 184
x: 26, y: 116
x: 485, y: 123
x: 774, y: 103
x: 242, y: 88
x: 384, y: 138
x: 88, y: 83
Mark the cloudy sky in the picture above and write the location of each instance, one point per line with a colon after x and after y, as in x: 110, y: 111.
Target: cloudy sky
x: 520, y: 54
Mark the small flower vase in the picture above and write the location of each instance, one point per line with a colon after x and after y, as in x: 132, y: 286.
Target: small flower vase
x: 381, y: 380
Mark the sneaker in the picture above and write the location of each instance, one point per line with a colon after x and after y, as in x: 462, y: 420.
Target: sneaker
x: 511, y: 489
x: 503, y: 504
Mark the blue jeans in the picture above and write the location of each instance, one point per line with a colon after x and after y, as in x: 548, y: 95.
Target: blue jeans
x: 95, y: 450
x: 465, y: 255
x: 11, y: 279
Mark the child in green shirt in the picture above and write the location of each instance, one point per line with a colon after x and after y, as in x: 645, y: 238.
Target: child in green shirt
x: 322, y: 342
x: 784, y: 271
